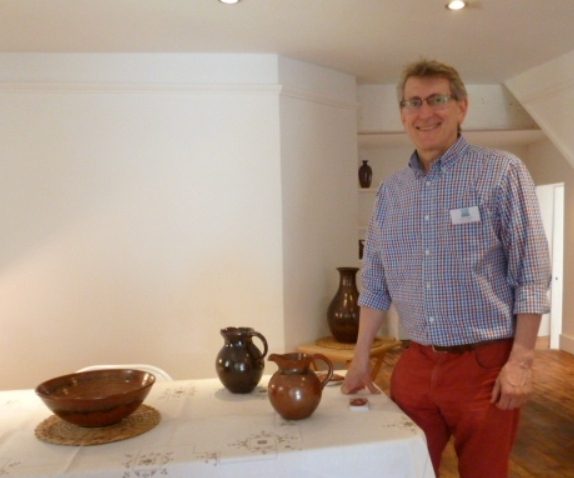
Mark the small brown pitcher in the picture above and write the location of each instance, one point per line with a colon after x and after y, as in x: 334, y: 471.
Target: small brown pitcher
x: 295, y: 390
x: 239, y: 363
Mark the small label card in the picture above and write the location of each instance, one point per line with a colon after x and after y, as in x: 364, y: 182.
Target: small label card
x: 465, y: 215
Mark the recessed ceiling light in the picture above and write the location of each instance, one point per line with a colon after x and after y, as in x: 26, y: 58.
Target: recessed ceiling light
x: 229, y: 2
x: 456, y: 5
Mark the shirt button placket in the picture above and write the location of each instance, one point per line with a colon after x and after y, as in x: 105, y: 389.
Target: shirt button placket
x: 428, y: 201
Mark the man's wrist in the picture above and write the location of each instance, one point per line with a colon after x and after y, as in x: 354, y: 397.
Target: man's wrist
x: 521, y: 356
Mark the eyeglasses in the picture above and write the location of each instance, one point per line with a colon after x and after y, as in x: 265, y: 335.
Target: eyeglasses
x: 435, y: 101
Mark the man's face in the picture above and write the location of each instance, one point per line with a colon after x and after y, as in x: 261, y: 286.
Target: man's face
x: 433, y: 129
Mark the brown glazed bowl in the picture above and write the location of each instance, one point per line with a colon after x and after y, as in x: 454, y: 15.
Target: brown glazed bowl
x: 96, y: 398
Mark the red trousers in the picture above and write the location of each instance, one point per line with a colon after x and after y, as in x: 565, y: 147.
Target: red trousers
x: 449, y: 394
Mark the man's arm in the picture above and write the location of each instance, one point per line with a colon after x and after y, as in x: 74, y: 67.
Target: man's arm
x: 514, y: 383
x: 529, y: 274
x: 359, y: 374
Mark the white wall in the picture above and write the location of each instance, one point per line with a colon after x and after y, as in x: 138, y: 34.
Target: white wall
x: 320, y: 201
x: 142, y: 209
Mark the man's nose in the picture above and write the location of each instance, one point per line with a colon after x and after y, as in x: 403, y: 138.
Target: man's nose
x: 425, y: 109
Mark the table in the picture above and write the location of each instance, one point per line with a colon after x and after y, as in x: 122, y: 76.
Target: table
x: 206, y: 431
x: 339, y: 352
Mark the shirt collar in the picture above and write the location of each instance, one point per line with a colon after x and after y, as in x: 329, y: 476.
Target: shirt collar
x: 450, y: 156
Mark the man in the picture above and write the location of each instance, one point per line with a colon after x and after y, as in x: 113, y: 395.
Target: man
x: 456, y: 243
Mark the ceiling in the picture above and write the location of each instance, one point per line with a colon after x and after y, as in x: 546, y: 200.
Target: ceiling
x: 489, y: 42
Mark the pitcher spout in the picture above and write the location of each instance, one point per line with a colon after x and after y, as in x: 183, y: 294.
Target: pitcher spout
x: 292, y: 362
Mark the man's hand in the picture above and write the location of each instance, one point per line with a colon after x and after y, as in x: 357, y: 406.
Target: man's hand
x: 357, y: 378
x: 514, y: 382
x: 513, y: 385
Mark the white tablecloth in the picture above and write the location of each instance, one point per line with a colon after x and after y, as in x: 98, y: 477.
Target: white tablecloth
x: 206, y: 431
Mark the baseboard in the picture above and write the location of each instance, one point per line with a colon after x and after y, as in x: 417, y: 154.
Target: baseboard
x: 567, y: 343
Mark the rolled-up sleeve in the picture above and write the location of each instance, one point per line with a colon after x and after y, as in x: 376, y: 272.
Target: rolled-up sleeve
x: 374, y: 291
x: 524, y: 241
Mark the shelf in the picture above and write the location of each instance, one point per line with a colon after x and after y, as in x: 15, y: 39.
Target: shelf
x: 491, y: 138
x: 378, y: 139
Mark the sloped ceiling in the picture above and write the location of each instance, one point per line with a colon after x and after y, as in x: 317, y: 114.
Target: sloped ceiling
x: 547, y: 93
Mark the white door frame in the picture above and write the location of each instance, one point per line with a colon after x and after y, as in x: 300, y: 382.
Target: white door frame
x: 552, y: 208
x: 557, y: 267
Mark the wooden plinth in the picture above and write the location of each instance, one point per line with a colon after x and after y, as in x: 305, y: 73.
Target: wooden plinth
x: 342, y: 353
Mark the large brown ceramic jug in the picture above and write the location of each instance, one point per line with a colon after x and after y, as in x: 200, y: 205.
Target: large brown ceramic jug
x: 295, y: 390
x: 240, y: 363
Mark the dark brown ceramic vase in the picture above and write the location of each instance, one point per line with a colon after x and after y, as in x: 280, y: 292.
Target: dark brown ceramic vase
x: 365, y: 175
x: 295, y: 390
x: 343, y: 311
x: 240, y: 363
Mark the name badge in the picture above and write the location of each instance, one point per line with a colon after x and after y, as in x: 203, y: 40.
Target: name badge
x: 465, y: 215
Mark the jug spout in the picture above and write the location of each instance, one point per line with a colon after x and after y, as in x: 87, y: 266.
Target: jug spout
x: 292, y: 362
x: 275, y: 358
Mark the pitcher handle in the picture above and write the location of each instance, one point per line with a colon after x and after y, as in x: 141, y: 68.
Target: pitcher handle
x: 329, y: 375
x: 263, y: 340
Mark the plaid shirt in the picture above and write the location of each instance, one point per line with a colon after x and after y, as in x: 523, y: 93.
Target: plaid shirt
x: 459, y: 251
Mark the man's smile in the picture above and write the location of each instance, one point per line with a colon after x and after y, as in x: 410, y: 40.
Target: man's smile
x: 429, y: 127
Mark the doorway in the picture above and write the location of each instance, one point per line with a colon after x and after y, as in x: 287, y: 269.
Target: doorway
x: 551, y: 199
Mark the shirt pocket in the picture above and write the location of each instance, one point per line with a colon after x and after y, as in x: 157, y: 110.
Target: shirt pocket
x: 469, y: 246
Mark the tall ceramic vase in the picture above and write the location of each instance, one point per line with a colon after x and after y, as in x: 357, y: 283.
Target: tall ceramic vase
x: 343, y: 311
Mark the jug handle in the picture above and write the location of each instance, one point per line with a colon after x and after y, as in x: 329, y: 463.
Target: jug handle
x: 260, y: 337
x: 329, y: 375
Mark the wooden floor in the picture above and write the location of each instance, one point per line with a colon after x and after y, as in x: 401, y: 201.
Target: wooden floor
x: 545, y: 443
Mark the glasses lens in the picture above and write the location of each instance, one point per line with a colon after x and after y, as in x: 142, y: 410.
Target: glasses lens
x: 412, y: 103
x: 438, y: 100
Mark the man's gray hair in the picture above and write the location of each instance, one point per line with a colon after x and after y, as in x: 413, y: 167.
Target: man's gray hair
x: 433, y: 69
